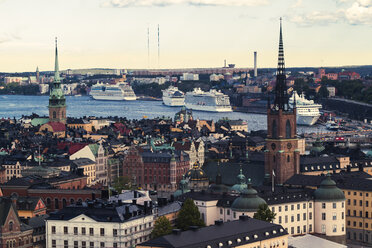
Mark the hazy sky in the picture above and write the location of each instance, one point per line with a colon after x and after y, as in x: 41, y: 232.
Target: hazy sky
x: 193, y: 33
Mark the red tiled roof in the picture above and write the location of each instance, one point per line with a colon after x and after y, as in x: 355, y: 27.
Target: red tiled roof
x: 57, y: 126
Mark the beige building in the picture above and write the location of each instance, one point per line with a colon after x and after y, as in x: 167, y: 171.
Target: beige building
x: 89, y: 168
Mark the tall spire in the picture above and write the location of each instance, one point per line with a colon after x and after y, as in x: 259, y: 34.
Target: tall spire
x: 281, y: 96
x: 56, y: 66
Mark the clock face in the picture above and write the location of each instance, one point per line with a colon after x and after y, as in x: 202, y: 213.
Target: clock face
x: 273, y: 146
x: 289, y: 145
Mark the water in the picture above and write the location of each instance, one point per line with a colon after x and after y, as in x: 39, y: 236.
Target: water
x: 16, y: 106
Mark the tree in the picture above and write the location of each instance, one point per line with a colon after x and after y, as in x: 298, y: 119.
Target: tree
x: 121, y: 183
x: 189, y: 215
x: 264, y: 213
x: 162, y: 227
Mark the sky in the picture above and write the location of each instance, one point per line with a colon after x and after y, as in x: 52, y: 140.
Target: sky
x: 193, y: 33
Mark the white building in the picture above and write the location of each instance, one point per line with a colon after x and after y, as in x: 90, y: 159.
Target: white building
x: 189, y: 77
x: 299, y: 211
x: 99, y: 224
x: 44, y: 88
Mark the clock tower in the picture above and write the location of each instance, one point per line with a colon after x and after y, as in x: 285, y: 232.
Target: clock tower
x: 282, y: 157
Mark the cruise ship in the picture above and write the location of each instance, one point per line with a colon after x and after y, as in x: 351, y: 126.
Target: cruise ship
x: 307, y: 111
x: 213, y: 101
x: 173, y: 97
x: 113, y: 92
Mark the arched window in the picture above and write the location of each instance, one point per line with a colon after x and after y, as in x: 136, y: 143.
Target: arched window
x: 54, y: 114
x: 288, y: 130
x: 11, y: 226
x: 56, y: 203
x: 274, y: 132
x: 64, y: 202
x: 288, y: 159
x: 48, y: 202
x: 72, y: 201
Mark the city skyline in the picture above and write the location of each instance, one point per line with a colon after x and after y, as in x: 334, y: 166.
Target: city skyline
x: 113, y: 33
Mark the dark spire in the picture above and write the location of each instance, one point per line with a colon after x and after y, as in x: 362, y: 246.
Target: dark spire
x: 281, y: 96
x: 56, y: 66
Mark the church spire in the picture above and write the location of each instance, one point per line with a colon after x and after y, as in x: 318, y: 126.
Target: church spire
x: 56, y: 66
x: 281, y: 96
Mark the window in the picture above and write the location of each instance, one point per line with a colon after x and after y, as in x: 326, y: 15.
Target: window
x: 83, y: 244
x: 366, y: 224
x: 54, y: 243
x: 288, y: 130
x: 304, y: 228
x: 360, y: 203
x: 334, y: 216
x: 53, y: 230
x: 286, y: 219
x: 65, y: 243
x: 91, y: 245
x: 221, y: 211
x: 286, y: 208
x: 75, y: 231
x: 76, y: 244
x: 298, y: 217
x: 323, y: 216
x: 280, y: 219
x: 342, y: 215
x: 323, y: 205
x: 102, y: 231
x: 54, y: 114
x: 310, y: 205
x: 334, y: 228
x: 115, y: 232
x: 65, y: 230
x: 304, y: 206
x: 310, y: 216
x: 102, y: 245
x: 298, y: 229
x: 348, y: 212
x: 228, y: 212
x: 280, y: 208
x: 323, y: 228
x: 310, y: 228
x: 91, y: 231
x: 292, y: 218
x: 360, y: 224
x: 334, y: 205
x: 10, y: 225
x: 292, y: 207
x: 348, y: 201
x: 354, y: 223
x: 304, y: 216
x: 354, y: 202
x: 83, y: 230
x: 292, y: 230
x: 115, y: 245
x: 366, y: 203
x: 343, y: 227
x: 360, y: 214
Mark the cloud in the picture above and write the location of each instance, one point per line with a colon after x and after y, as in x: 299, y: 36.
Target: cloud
x: 359, y: 13
x: 164, y: 3
x: 316, y: 18
x: 8, y: 37
x: 297, y: 4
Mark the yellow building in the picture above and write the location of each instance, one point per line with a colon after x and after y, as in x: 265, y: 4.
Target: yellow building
x: 80, y: 124
x: 88, y: 166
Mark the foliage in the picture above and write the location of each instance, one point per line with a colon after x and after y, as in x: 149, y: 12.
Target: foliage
x: 351, y: 89
x: 17, y: 89
x: 162, y: 227
x: 122, y: 183
x: 264, y: 213
x: 189, y: 215
x: 153, y: 89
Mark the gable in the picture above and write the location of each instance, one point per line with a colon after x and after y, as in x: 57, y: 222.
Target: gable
x: 79, y: 219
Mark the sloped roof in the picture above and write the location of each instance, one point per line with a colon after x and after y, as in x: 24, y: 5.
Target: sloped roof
x: 57, y: 126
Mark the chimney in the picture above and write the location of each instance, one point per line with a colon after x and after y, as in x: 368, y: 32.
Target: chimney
x: 255, y: 64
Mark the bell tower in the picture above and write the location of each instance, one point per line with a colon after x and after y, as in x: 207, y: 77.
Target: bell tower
x: 282, y: 157
x: 57, y: 100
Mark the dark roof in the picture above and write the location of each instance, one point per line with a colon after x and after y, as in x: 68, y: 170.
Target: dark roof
x: 255, y: 230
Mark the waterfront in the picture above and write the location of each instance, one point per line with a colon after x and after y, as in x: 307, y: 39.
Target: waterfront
x: 18, y: 105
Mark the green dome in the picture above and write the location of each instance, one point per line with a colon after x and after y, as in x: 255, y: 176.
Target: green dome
x: 248, y: 201
x: 218, y: 187
x: 183, y: 187
x: 328, y: 191
x: 241, y: 185
x: 317, y: 147
x: 196, y: 174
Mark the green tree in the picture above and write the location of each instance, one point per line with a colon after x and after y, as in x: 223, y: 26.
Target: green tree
x: 264, y: 213
x: 323, y: 92
x: 121, y: 183
x: 189, y: 215
x: 162, y: 227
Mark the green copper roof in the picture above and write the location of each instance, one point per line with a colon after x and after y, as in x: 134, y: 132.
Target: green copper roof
x: 56, y: 66
x: 248, y: 201
x: 39, y: 121
x: 328, y: 191
x: 241, y: 185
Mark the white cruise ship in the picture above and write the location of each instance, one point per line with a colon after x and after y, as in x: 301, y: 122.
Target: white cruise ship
x: 213, y: 101
x: 113, y: 92
x: 307, y: 111
x: 173, y: 97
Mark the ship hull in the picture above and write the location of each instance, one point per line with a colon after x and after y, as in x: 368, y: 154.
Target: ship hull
x: 307, y: 120
x: 173, y: 102
x: 208, y: 108
x: 113, y: 98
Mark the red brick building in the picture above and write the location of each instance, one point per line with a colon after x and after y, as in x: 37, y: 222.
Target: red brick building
x: 155, y: 169
x: 13, y: 233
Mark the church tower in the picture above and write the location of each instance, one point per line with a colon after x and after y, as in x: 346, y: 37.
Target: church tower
x: 282, y: 158
x: 57, y: 100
